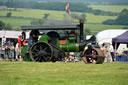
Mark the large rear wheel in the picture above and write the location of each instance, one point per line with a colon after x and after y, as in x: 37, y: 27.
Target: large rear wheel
x: 41, y: 52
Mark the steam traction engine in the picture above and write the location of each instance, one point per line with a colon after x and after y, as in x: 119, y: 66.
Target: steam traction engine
x: 53, y: 44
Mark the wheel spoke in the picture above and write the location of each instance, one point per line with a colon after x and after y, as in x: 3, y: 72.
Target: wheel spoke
x: 47, y: 54
x: 36, y: 58
x: 36, y: 54
x: 35, y: 49
x: 33, y: 52
x: 45, y: 49
x: 40, y: 58
x: 44, y: 57
x: 40, y: 47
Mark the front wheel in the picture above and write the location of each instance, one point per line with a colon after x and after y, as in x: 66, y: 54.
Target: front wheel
x: 95, y: 56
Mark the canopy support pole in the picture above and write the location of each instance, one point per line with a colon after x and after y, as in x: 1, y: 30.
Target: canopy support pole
x: 115, y: 49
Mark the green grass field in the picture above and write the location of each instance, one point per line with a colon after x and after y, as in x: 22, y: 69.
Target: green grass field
x: 34, y: 13
x: 15, y: 22
x: 60, y: 73
x: 98, y: 19
x: 99, y: 27
x: 112, y: 8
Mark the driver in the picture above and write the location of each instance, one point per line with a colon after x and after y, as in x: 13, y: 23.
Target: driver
x: 33, y: 38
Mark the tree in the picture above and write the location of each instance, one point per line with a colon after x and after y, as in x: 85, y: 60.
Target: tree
x: 9, y: 14
x: 2, y: 25
x: 8, y: 27
x: 9, y: 3
x: 125, y: 28
x: 122, y: 19
x: 46, y: 16
x: 97, y: 12
x: 109, y: 21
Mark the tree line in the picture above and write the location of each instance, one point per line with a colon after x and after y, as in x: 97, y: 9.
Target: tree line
x: 122, y: 19
x: 116, y: 2
x: 58, y: 6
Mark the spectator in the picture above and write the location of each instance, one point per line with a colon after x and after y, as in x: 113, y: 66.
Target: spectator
x: 104, y: 49
x: 19, y: 46
x: 108, y: 55
x: 3, y: 42
x: 25, y: 42
x: 112, y: 51
x: 6, y: 46
x: 17, y: 51
x: 0, y: 50
x: 12, y: 51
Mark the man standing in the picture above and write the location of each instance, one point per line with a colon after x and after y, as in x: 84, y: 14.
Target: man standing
x: 6, y: 46
x: 112, y: 51
x: 19, y: 46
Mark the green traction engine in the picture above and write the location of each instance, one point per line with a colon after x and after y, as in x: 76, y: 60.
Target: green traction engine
x: 57, y: 40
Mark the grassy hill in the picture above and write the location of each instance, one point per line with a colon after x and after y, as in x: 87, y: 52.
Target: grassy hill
x: 112, y: 8
x: 94, y: 23
x: 15, y: 22
x: 58, y: 15
x: 60, y: 73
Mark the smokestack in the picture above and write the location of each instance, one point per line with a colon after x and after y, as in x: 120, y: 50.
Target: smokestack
x: 81, y: 29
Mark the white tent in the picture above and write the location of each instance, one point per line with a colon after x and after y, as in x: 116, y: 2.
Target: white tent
x: 107, y: 35
x: 4, y: 34
x: 11, y: 34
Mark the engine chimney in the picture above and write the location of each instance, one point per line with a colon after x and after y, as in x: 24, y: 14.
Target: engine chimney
x: 81, y: 30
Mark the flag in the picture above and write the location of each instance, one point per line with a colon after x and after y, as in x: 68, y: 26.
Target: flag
x: 67, y: 8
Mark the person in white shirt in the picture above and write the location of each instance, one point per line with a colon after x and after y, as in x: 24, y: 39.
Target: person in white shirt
x: 112, y: 51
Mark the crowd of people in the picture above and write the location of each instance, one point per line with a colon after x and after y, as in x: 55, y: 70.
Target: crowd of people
x: 12, y: 50
x: 8, y: 48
